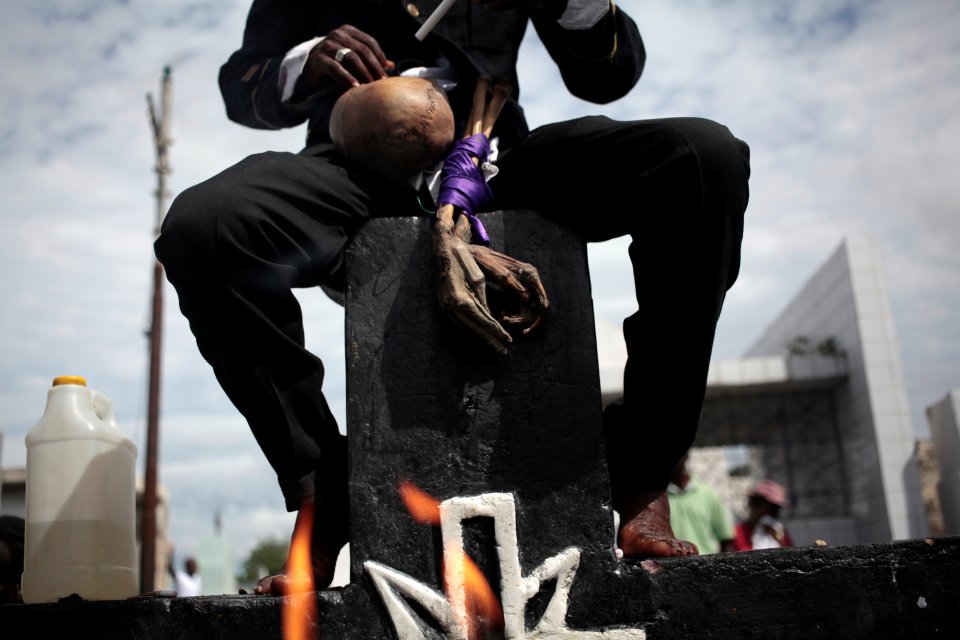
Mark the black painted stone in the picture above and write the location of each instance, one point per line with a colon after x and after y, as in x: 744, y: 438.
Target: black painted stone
x: 431, y: 404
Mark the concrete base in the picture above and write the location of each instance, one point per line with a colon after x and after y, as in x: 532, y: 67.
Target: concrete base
x: 896, y: 590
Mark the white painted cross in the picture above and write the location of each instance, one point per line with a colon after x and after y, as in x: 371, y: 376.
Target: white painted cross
x: 515, y: 589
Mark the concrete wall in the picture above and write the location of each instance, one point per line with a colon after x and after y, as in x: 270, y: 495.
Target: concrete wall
x: 847, y: 300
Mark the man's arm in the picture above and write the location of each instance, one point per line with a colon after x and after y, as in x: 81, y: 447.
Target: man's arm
x: 249, y: 79
x: 170, y: 567
x: 599, y: 63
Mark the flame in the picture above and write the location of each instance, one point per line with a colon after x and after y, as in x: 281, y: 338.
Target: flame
x: 301, y: 605
x: 484, y: 613
x: 423, y: 507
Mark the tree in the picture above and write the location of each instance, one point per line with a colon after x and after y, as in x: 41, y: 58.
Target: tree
x: 268, y: 555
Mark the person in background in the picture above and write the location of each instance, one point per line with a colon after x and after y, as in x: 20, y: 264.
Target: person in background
x: 187, y: 580
x: 763, y: 529
x: 696, y: 512
x: 11, y: 558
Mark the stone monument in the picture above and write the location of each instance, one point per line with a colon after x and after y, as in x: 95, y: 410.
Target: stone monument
x: 510, y: 448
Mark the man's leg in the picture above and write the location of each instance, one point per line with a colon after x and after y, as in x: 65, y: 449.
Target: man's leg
x: 678, y: 187
x: 234, y: 247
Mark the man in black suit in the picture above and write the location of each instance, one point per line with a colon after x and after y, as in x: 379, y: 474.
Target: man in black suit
x: 235, y: 245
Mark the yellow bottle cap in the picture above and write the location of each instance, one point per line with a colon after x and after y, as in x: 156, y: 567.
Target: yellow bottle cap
x: 59, y: 380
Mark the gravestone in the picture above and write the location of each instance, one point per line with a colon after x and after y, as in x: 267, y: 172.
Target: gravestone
x: 511, y: 446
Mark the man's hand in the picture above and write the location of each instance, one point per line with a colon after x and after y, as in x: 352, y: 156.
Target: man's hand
x: 346, y: 57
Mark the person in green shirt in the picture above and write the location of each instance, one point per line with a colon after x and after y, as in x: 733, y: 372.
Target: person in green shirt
x: 697, y: 514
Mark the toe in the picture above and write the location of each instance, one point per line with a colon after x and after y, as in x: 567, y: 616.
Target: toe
x: 270, y: 586
x: 687, y: 548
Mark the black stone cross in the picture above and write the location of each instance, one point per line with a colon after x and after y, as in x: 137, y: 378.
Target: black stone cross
x: 442, y: 412
x: 523, y: 434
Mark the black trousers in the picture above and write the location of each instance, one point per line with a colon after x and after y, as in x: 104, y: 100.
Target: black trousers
x: 235, y: 245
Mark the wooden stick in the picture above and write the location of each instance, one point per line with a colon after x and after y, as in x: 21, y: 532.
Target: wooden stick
x: 501, y: 90
x: 477, y: 111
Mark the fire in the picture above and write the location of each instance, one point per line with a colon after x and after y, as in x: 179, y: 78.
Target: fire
x: 423, y: 507
x: 484, y: 614
x: 483, y: 611
x: 300, y: 606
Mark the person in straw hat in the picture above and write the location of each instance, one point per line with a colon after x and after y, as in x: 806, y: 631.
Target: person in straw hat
x: 763, y: 529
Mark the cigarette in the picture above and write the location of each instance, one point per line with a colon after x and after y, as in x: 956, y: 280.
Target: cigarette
x: 434, y: 18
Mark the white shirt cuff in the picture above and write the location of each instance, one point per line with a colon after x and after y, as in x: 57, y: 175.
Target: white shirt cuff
x: 292, y: 66
x: 583, y: 14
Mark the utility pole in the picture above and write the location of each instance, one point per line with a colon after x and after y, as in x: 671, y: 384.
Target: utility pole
x: 148, y: 525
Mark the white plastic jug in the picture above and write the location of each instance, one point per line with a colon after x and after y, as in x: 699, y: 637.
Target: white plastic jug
x: 80, y: 500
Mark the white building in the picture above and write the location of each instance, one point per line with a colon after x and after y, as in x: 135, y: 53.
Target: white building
x: 819, y: 404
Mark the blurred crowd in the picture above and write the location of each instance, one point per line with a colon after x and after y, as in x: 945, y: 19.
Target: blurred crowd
x: 697, y: 514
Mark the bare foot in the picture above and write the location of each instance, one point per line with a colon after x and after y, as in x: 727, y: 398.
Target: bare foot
x: 645, y: 530
x: 327, y: 540
x: 324, y: 557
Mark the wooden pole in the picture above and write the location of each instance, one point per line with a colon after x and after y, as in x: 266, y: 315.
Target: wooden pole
x: 148, y: 525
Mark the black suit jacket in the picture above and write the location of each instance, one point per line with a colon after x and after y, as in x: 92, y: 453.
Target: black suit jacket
x: 600, y: 64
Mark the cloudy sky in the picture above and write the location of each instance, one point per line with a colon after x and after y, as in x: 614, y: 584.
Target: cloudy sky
x: 851, y: 108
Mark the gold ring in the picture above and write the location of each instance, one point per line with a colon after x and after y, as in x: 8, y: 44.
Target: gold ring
x: 341, y: 54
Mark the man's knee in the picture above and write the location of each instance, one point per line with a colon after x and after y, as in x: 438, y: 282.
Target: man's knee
x: 204, y: 219
x: 721, y: 156
x: 189, y: 231
x: 724, y: 166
